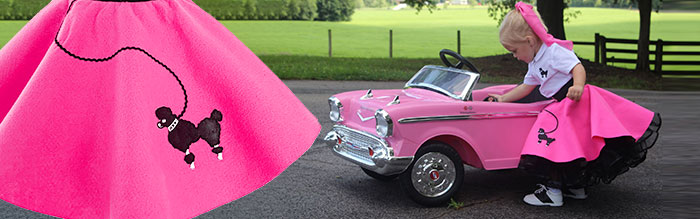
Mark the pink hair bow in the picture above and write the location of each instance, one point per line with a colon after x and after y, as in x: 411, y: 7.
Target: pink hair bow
x: 534, y: 22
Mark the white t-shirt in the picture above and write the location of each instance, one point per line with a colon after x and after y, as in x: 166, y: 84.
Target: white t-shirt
x: 551, y: 68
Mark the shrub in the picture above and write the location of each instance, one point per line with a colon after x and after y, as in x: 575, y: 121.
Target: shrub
x: 335, y: 10
x: 219, y: 9
x: 4, y: 9
x: 309, y: 10
x: 250, y: 10
x: 260, y: 9
x: 20, y: 10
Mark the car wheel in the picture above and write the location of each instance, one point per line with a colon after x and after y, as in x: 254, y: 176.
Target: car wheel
x: 380, y: 177
x: 434, y: 176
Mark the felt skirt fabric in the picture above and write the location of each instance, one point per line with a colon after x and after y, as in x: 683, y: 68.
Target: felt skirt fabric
x: 591, y: 140
x: 144, y: 109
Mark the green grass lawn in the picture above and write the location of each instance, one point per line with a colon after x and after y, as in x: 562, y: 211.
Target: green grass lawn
x: 8, y: 29
x: 422, y: 35
x: 419, y: 37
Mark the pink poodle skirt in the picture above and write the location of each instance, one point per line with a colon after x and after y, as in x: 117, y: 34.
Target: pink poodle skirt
x: 147, y: 109
x: 589, y: 141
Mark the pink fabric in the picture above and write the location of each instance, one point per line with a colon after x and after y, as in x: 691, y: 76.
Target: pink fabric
x: 534, y: 22
x: 79, y: 139
x: 579, y: 128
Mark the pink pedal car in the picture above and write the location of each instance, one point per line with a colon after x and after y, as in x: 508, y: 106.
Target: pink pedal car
x: 425, y: 132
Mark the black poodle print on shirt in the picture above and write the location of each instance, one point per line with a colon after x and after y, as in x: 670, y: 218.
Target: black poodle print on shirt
x: 181, y: 133
x: 543, y: 73
x: 542, y: 135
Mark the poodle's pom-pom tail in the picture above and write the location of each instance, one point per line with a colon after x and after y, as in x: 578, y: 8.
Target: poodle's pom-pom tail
x: 216, y: 115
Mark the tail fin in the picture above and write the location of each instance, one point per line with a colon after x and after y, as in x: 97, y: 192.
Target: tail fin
x: 216, y: 115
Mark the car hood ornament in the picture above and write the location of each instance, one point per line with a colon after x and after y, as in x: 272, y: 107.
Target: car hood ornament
x: 368, y: 95
x: 395, y: 101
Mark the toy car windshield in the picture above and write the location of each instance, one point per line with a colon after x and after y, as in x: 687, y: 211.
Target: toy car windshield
x: 452, y: 82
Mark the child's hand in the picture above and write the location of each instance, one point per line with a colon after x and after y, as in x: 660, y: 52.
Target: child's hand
x: 494, y: 98
x: 575, y: 92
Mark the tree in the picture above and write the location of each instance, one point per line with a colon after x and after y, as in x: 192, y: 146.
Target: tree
x: 645, y: 7
x: 552, y: 12
x: 644, y: 30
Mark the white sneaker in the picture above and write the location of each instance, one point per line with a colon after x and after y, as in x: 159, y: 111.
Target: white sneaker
x: 544, y: 197
x: 575, y: 193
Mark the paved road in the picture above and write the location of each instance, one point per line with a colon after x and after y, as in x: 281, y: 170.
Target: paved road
x: 322, y: 185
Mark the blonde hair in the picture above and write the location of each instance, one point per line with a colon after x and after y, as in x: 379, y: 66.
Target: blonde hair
x: 514, y: 29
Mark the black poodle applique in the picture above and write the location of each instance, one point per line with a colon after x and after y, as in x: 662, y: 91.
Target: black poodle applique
x: 181, y: 133
x: 542, y: 134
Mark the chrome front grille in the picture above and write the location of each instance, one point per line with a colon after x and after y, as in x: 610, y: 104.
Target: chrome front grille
x: 357, y: 144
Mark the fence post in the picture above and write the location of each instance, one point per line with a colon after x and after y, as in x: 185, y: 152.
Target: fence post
x: 330, y: 45
x: 596, y: 44
x: 391, y: 43
x: 659, y: 56
x: 603, y: 51
x: 459, y: 42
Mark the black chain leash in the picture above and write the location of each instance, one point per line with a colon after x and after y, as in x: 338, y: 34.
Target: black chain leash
x: 115, y: 54
x: 557, y: 119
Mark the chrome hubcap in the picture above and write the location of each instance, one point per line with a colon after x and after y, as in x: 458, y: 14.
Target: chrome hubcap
x: 433, y: 174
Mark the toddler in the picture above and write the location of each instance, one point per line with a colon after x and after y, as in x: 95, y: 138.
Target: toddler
x: 554, y: 72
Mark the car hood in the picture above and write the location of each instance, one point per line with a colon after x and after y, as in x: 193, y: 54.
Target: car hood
x: 358, y: 112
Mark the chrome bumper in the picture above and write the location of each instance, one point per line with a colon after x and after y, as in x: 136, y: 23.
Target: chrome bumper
x: 354, y: 146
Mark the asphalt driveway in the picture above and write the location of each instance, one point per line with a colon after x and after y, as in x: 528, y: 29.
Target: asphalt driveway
x: 321, y: 185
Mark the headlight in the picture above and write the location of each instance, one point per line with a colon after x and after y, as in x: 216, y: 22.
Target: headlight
x: 336, y: 106
x: 384, y: 124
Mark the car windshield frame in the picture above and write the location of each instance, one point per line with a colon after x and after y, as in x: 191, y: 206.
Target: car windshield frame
x: 465, y: 94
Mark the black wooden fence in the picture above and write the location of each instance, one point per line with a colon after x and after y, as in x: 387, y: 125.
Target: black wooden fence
x: 605, y: 54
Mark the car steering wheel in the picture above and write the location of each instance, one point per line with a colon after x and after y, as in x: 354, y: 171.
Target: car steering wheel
x: 462, y: 61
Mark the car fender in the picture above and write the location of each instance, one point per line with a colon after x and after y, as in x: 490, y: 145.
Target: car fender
x: 457, y: 139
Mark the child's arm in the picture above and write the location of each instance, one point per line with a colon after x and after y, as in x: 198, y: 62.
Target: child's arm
x: 517, y: 93
x: 576, y: 90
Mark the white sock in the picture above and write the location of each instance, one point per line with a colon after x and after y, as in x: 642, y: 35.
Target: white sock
x: 554, y: 190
